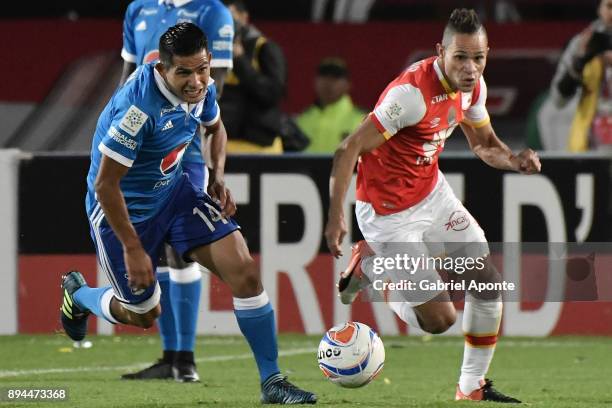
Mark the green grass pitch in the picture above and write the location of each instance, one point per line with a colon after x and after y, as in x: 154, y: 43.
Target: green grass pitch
x: 553, y: 372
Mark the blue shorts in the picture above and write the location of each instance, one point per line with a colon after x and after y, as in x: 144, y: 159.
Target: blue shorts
x: 190, y: 219
x: 198, y: 174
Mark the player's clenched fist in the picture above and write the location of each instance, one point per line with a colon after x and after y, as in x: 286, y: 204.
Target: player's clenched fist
x: 335, y: 230
x: 529, y: 162
x: 139, y: 268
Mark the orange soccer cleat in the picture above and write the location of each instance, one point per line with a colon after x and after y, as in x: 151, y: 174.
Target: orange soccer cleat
x: 352, y: 280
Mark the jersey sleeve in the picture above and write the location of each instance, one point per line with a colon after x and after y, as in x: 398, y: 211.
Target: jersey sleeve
x: 128, y: 52
x: 219, y: 28
x: 402, y: 106
x: 124, y: 137
x: 477, y: 115
x: 210, y: 109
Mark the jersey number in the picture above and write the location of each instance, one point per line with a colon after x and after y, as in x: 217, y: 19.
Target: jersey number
x: 213, y: 216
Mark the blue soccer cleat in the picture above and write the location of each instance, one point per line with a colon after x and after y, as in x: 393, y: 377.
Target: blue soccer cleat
x: 277, y: 390
x: 74, y: 319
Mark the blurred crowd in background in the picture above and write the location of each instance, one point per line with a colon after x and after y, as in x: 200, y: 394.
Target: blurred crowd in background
x: 566, y: 103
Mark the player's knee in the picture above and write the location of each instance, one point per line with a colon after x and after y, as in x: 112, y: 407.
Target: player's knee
x: 249, y: 283
x: 440, y: 323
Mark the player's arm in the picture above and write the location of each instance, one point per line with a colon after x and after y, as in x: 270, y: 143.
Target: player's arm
x: 128, y: 68
x: 219, y: 74
x: 402, y: 106
x: 128, y: 52
x: 110, y: 197
x: 366, y: 138
x: 489, y: 148
x: 216, y: 185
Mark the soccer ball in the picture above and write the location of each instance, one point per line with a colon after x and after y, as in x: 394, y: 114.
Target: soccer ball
x: 351, y: 354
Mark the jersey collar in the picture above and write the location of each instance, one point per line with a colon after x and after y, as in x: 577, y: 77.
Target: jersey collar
x: 443, y: 81
x: 172, y: 98
x: 175, y: 3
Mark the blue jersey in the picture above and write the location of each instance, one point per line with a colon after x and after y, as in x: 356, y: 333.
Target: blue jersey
x: 146, y: 20
x: 147, y: 128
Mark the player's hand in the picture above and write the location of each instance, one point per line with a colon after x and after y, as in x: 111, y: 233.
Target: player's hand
x: 335, y: 231
x: 139, y: 268
x: 528, y: 162
x: 223, y: 196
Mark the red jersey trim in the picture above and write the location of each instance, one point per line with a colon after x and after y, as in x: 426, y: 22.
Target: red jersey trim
x: 387, y: 135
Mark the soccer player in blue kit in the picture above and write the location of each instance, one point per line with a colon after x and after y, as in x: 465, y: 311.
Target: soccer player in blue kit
x: 181, y: 283
x: 138, y: 198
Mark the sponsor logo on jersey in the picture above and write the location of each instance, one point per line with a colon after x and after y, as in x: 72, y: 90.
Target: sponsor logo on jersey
x: 458, y: 221
x: 222, y: 45
x: 227, y: 31
x: 434, y: 122
x: 168, y: 125
x: 424, y: 160
x: 167, y: 110
x: 439, y: 98
x: 141, y: 26
x: 120, y: 138
x: 394, y: 111
x: 151, y: 56
x: 133, y: 120
x: 172, y: 159
x: 162, y: 183
x: 184, y: 20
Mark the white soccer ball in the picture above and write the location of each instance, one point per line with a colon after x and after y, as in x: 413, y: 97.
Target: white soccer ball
x: 351, y: 354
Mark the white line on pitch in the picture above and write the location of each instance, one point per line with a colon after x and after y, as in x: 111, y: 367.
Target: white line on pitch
x: 245, y: 356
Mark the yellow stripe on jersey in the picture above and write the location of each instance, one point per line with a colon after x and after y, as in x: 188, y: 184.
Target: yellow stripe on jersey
x: 479, y: 123
x: 447, y: 88
x: 387, y: 135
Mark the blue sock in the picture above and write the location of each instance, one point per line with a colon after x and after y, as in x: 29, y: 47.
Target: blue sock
x: 185, y: 299
x: 165, y: 322
x: 259, y: 328
x: 91, y: 299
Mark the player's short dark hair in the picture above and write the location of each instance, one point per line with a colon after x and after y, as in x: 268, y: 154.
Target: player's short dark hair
x: 183, y: 39
x: 462, y: 21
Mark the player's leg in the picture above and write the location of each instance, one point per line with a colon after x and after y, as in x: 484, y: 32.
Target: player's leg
x: 462, y: 237
x: 391, y: 235
x: 162, y: 368
x: 229, y: 257
x: 117, y: 303
x: 185, y: 285
x: 201, y: 234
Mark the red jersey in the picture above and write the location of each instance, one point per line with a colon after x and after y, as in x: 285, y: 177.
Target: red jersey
x: 416, y: 113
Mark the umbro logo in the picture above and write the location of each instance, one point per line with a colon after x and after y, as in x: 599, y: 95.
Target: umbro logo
x: 168, y: 125
x: 141, y: 26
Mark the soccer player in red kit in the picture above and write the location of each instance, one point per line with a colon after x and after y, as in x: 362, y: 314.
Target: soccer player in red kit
x: 402, y: 197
